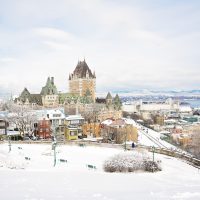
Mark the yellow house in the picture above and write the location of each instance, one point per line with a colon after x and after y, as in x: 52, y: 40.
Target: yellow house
x: 73, y: 124
x: 71, y: 133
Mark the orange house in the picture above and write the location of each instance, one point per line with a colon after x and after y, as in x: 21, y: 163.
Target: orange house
x: 91, y: 129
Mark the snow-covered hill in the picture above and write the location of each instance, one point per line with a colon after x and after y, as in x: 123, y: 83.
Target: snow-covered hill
x: 39, y: 180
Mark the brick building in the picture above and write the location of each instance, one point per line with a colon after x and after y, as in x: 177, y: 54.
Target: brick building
x: 44, y: 128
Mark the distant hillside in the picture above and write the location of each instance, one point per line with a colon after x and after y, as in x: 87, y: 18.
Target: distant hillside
x: 145, y: 92
x: 4, y: 95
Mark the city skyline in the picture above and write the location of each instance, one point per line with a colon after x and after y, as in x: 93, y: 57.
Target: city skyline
x: 129, y: 44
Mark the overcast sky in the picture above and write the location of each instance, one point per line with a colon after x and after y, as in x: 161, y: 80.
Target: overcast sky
x: 131, y: 44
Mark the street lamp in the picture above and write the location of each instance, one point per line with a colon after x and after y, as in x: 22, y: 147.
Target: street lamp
x: 153, y: 151
x: 9, y: 144
x: 54, y: 143
x: 6, y: 133
x: 125, y: 147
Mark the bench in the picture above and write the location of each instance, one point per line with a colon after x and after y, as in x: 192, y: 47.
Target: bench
x: 91, y: 166
x: 27, y: 158
x: 63, y: 160
x: 81, y: 145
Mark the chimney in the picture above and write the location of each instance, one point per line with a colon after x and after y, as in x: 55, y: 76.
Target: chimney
x: 52, y: 80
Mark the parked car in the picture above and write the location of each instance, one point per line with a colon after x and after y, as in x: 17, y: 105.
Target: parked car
x: 26, y: 138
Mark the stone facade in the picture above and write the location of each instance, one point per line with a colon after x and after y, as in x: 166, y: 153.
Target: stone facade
x: 28, y: 99
x: 48, y: 96
x: 109, y: 114
x: 50, y: 100
x: 105, y: 108
x: 82, y: 81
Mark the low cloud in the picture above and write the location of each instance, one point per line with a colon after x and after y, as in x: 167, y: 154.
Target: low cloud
x: 53, y: 33
x: 128, y: 44
x: 7, y: 60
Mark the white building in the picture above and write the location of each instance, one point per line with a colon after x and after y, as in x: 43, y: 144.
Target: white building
x: 74, y: 120
x: 56, y: 116
x: 154, y: 106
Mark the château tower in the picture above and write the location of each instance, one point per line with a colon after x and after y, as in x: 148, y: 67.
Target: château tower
x: 82, y: 81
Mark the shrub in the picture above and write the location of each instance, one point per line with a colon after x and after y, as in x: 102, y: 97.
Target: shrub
x: 15, y: 162
x: 130, y: 162
x: 12, y: 160
x: 152, y: 166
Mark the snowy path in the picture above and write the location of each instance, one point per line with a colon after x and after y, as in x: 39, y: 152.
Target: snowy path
x: 154, y: 141
x: 149, y: 137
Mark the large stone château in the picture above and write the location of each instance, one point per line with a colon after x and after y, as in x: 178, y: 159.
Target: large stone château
x: 82, y: 81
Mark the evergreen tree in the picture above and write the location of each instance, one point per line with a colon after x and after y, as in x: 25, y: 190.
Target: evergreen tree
x: 117, y: 102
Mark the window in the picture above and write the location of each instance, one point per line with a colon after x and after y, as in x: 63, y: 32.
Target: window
x: 73, y: 133
x: 2, y: 124
x: 74, y: 122
x: 56, y: 115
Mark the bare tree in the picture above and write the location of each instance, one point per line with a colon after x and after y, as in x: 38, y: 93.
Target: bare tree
x: 107, y: 133
x: 22, y: 117
x: 195, y: 142
x: 90, y: 113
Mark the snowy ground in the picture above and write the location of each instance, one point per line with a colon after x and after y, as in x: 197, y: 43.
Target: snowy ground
x: 39, y: 180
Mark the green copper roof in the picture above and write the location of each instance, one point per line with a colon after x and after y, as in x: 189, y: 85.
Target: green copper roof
x: 49, y: 88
